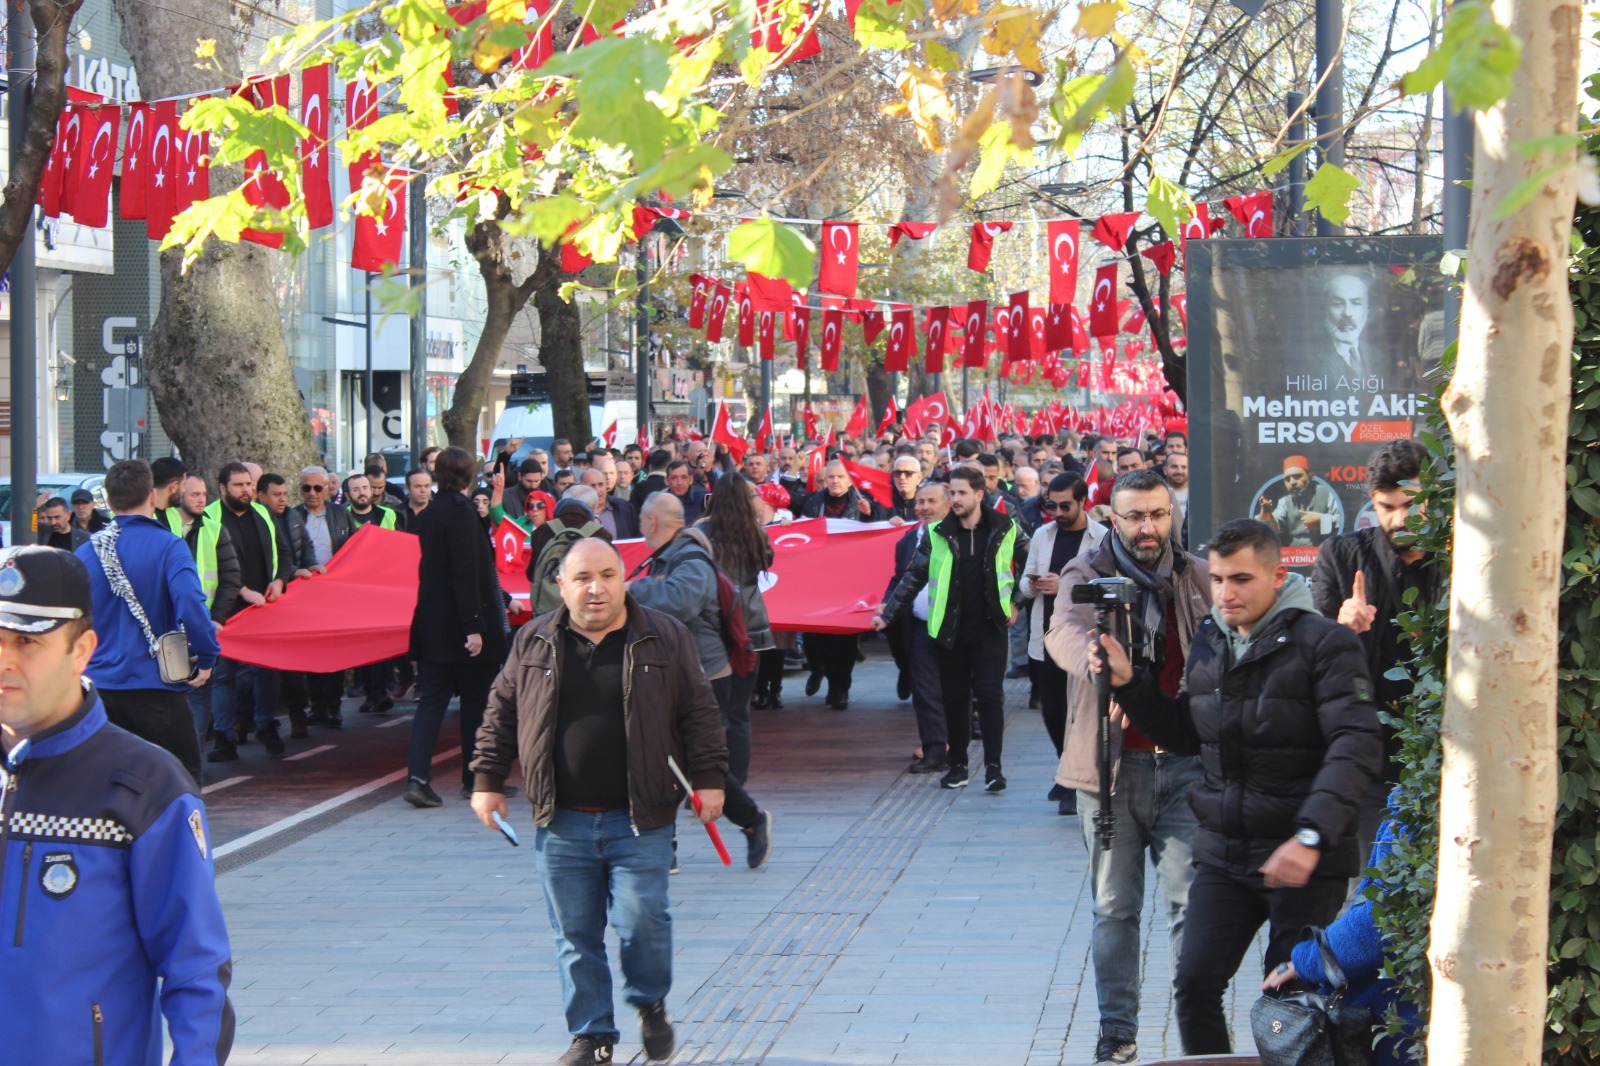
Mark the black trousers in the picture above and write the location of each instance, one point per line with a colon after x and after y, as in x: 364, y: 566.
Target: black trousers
x: 833, y: 655
x: 327, y: 692
x: 438, y: 682
x: 973, y: 670
x: 769, y: 671
x: 160, y: 716
x: 1050, y: 685
x: 1225, y: 911
x: 737, y: 806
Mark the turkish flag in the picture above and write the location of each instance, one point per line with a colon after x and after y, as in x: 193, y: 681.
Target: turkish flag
x: 816, y: 459
x: 799, y: 329
x: 937, y: 328
x: 360, y: 104
x: 697, y: 300
x: 1103, y: 307
x: 902, y: 340
x: 871, y: 481
x: 769, y: 34
x: 1180, y: 300
x: 1112, y: 230
x: 1058, y: 328
x: 1254, y: 212
x: 1063, y: 237
x: 135, y: 159
x: 871, y: 324
x: 1037, y: 321
x: 982, y: 246
x: 973, y: 334
x: 315, y: 85
x: 914, y: 230
x: 54, y: 182
x: 718, y: 313
x: 747, y: 315
x: 841, y: 258
x: 608, y: 436
x: 192, y: 149
x: 769, y: 294
x: 764, y: 431
x: 1199, y: 227
x: 1083, y: 383
x: 262, y: 187
x: 379, y: 239
x: 90, y: 188
x: 161, y: 173
x: 510, y: 548
x: 572, y: 260
x: 1162, y: 255
x: 832, y: 340
x: 766, y: 333
x: 891, y: 415
x: 858, y: 419
x: 1019, y: 342
x: 722, y: 433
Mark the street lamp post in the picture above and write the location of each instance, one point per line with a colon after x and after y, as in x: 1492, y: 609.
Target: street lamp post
x: 365, y: 325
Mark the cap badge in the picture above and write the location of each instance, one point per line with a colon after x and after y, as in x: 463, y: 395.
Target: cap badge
x: 11, y: 581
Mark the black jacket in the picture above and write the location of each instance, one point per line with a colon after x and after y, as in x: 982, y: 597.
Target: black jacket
x: 292, y: 530
x: 1288, y: 737
x: 656, y: 482
x: 814, y: 504
x: 457, y: 590
x: 79, y: 536
x: 228, y: 583
x: 917, y: 575
x: 1369, y: 552
x: 625, y: 516
x: 341, y: 527
x: 903, y: 508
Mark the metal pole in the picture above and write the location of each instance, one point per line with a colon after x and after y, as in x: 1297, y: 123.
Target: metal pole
x: 641, y: 337
x: 766, y: 383
x: 1458, y: 147
x: 1296, y: 203
x: 1330, y: 95
x: 417, y: 257
x: 965, y: 393
x: 24, y: 306
x: 371, y: 405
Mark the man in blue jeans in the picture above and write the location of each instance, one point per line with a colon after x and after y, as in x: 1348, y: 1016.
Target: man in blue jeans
x: 594, y: 698
x: 1150, y: 787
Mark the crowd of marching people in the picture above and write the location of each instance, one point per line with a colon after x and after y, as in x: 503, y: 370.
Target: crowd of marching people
x: 1248, y: 765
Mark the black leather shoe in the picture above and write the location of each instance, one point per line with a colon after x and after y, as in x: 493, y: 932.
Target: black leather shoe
x: 222, y: 751
x: 839, y: 703
x: 926, y: 765
x: 420, y: 795
x: 655, y: 1032
x: 902, y: 687
x: 813, y: 684
x: 271, y: 743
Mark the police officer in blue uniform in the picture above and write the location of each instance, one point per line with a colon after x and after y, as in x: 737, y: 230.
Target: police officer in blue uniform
x: 107, y: 898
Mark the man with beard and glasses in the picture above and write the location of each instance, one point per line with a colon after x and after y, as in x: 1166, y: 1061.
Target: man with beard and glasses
x: 1362, y: 579
x: 1068, y: 536
x: 1306, y: 514
x: 1150, y: 797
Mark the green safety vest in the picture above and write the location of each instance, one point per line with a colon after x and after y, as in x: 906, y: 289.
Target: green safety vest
x: 214, y: 511
x: 173, y: 519
x: 941, y: 567
x: 386, y: 522
x: 205, y: 556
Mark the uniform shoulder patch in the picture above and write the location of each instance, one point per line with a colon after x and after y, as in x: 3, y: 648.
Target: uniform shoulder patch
x: 197, y: 826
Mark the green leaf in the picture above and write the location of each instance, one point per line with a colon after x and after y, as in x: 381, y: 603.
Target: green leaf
x: 940, y: 57
x: 1475, y: 58
x: 683, y: 170
x: 1526, y: 189
x: 1565, y: 143
x: 773, y: 249
x: 546, y: 218
x: 1079, y: 102
x: 1283, y: 159
x: 1329, y: 192
x: 885, y: 24
x: 995, y: 150
x: 1168, y: 204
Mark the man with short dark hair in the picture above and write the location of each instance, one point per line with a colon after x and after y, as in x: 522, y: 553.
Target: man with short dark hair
x: 1175, y: 442
x: 561, y: 452
x: 55, y: 526
x: 1277, y: 703
x: 376, y: 467
x: 615, y: 515
x: 168, y: 473
x: 419, y: 494
x: 680, y: 483
x: 85, y: 515
x: 358, y: 490
x: 116, y: 913
x: 530, y: 479
x: 654, y: 480
x: 633, y: 694
x: 563, y: 480
x: 136, y: 559
x: 1363, y: 578
x: 969, y: 560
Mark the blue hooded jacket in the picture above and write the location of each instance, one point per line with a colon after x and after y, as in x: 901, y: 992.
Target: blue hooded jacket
x: 109, y: 916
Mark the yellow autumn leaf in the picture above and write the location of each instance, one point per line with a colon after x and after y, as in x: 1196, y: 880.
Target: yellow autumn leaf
x: 950, y: 10
x: 923, y: 97
x: 1100, y: 18
x: 1019, y: 106
x: 962, y: 147
x: 503, y: 11
x: 1012, y: 30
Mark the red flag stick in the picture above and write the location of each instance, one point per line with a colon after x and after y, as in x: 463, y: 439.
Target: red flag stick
x: 711, y: 827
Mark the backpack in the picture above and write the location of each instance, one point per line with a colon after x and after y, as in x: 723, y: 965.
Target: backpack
x: 545, y: 594
x: 735, y: 637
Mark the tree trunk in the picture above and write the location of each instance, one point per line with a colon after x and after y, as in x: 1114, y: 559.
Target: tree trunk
x: 1507, y: 408
x: 561, y: 354
x: 877, y: 396
x: 503, y: 298
x: 217, y: 362
x: 52, y: 28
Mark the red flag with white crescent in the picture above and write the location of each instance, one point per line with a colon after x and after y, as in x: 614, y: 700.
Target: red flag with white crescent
x: 973, y: 331
x: 870, y: 481
x: 810, y: 418
x: 747, y: 315
x: 937, y: 328
x: 764, y: 431
x: 722, y: 433
x: 97, y: 154
x: 718, y: 313
x: 315, y: 85
x: 915, y: 231
x: 858, y: 419
x: 1019, y: 340
x: 192, y: 151
x: 135, y: 158
x: 1112, y: 230
x: 1254, y: 212
x: 902, y: 340
x: 380, y: 238
x: 832, y: 340
x: 799, y: 329
x: 1063, y: 237
x: 769, y: 294
x: 1037, y: 325
x: 891, y: 415
x: 1103, y: 305
x: 697, y: 300
x: 608, y: 436
x: 58, y: 165
x: 766, y: 334
x: 160, y: 174
x: 872, y: 324
x: 1163, y: 255
x: 262, y: 187
x: 841, y: 258
x: 982, y: 246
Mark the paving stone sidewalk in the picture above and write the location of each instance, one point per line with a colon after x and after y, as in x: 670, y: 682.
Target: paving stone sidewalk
x: 895, y: 922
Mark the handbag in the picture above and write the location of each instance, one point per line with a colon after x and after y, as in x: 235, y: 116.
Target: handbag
x: 170, y: 650
x: 1313, y: 1028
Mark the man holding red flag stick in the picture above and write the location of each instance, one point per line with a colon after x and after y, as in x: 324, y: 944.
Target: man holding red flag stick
x: 593, y: 740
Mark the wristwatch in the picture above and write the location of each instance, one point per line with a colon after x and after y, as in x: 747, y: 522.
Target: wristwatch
x: 1309, y: 837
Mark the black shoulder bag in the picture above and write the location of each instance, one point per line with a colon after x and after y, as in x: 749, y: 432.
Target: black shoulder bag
x: 1312, y: 1028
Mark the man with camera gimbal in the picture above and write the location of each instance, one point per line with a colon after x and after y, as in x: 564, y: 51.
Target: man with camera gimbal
x: 1167, y: 597
x: 1277, y: 704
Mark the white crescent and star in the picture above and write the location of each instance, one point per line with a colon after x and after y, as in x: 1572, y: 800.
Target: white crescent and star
x: 1099, y: 300
x: 840, y: 250
x: 312, y: 115
x: 1072, y: 250
x: 830, y: 335
x: 96, y: 157
x: 163, y: 133
x: 130, y: 158
x: 994, y: 229
x: 1257, y: 214
x: 74, y: 128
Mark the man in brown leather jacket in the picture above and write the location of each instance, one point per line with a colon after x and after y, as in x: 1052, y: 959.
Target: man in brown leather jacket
x: 593, y: 699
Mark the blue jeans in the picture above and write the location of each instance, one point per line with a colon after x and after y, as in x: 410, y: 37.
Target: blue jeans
x: 200, y: 708
x: 1151, y: 807
x: 229, y: 677
x: 593, y: 869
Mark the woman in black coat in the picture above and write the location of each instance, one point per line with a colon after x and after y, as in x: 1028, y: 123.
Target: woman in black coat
x: 459, y: 631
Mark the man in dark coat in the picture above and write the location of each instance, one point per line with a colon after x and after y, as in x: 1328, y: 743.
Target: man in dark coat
x: 1277, y: 704
x: 56, y: 529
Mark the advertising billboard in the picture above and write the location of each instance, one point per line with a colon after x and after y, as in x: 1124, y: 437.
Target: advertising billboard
x: 1305, y: 356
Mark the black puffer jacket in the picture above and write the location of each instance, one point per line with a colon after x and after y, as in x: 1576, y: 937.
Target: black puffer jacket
x: 1288, y: 737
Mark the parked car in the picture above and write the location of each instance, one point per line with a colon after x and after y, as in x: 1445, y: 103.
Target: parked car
x: 62, y: 485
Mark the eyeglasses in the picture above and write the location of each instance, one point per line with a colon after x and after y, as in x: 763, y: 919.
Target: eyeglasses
x: 538, y: 506
x: 313, y: 488
x: 1051, y: 505
x: 907, y: 473
x: 1139, y: 518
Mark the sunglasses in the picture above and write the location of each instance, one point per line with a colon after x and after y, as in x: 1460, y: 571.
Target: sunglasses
x: 313, y: 488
